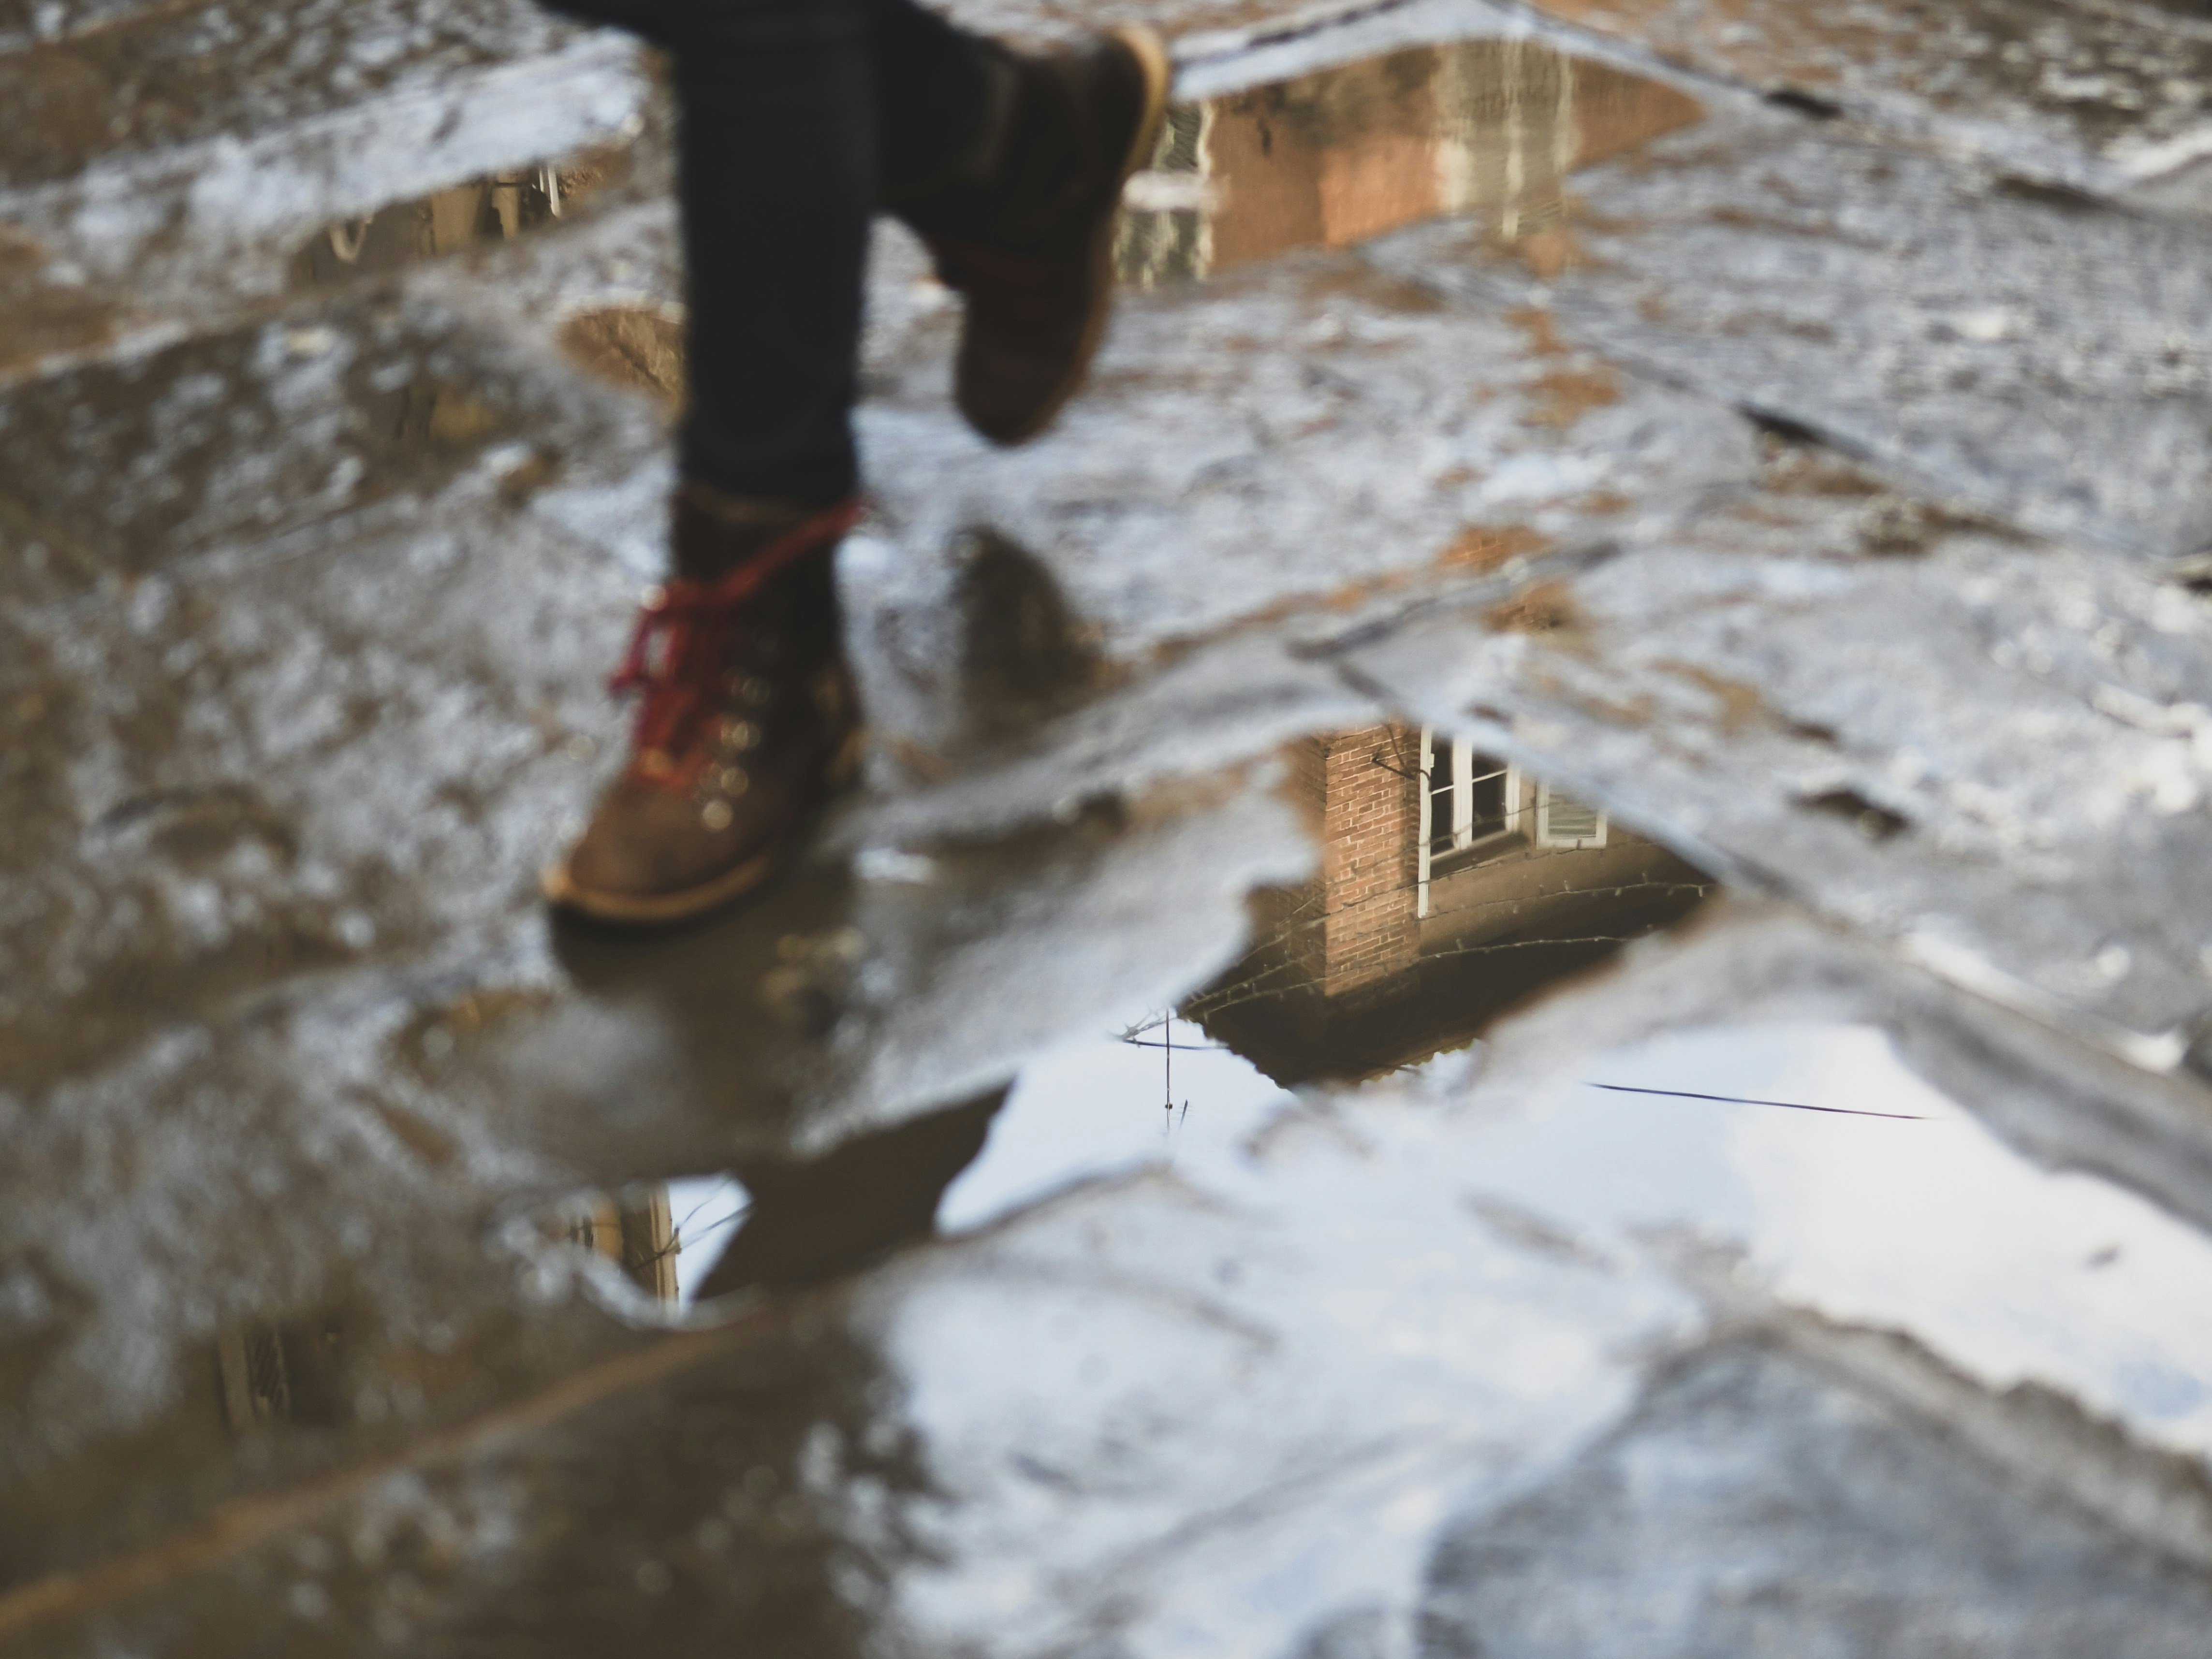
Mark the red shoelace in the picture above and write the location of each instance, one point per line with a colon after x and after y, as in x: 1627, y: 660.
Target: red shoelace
x: 687, y: 635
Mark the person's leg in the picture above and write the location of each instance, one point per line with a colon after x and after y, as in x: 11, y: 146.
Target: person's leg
x: 801, y: 117
x: 777, y: 132
x: 661, y: 21
x: 1019, y: 214
x: 943, y: 97
x: 747, y: 719
x: 797, y: 116
x: 778, y: 186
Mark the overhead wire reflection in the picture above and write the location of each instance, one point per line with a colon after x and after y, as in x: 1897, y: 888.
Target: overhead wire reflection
x: 1743, y: 1100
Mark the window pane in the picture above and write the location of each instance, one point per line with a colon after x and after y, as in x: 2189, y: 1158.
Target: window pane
x: 1568, y: 820
x: 1488, y: 790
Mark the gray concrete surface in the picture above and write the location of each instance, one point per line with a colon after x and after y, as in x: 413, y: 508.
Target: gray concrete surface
x: 1813, y: 483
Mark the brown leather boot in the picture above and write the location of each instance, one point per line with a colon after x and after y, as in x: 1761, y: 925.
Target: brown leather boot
x: 749, y: 723
x: 1028, y: 240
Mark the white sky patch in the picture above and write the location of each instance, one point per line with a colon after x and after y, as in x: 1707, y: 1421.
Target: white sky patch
x: 705, y: 1212
x: 1097, y: 1107
x: 1935, y: 1227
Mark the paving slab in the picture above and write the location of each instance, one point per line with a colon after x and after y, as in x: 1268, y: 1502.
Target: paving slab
x: 2099, y: 94
x: 1355, y: 1378
x: 172, y: 159
x: 2028, y: 357
x: 1757, y: 1502
x: 2009, y: 839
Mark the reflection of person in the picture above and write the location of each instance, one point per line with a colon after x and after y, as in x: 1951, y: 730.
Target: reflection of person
x: 813, y: 1220
x: 800, y: 119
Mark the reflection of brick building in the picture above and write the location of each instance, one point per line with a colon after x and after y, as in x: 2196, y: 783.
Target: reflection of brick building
x: 1451, y: 885
x: 494, y: 209
x: 1489, y: 126
x: 637, y: 1234
x: 1370, y: 926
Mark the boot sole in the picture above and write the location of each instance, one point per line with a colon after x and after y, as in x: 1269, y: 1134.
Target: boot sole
x: 563, y: 892
x: 1153, y: 63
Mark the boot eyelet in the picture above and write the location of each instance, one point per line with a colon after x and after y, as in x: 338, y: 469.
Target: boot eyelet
x: 757, y: 691
x: 740, y: 736
x: 734, y: 781
x: 716, y: 815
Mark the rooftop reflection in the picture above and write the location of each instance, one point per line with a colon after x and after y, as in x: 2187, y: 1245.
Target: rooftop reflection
x: 1492, y: 127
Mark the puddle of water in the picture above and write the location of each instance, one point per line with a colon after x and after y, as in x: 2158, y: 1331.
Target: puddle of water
x: 1325, y: 160
x: 646, y: 1250
x: 1473, y: 1283
x: 1452, y: 886
x: 706, y: 1211
x: 775, y: 1222
x: 498, y: 208
x: 1492, y: 127
x: 1850, y: 1186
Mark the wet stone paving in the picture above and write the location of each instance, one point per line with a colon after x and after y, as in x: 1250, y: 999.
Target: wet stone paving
x: 1524, y: 968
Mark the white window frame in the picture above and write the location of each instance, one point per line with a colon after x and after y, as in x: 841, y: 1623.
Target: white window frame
x: 1528, y: 800
x: 1546, y: 837
x: 1462, y: 798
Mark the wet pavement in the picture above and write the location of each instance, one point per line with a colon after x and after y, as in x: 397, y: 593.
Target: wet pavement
x: 1521, y: 971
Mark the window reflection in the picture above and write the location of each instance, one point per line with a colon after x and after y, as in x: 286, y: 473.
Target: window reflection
x: 1452, y: 885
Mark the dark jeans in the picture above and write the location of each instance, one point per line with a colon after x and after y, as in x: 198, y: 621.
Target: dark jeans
x: 798, y: 119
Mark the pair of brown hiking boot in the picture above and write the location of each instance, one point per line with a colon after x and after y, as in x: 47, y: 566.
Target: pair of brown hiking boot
x: 749, y: 723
